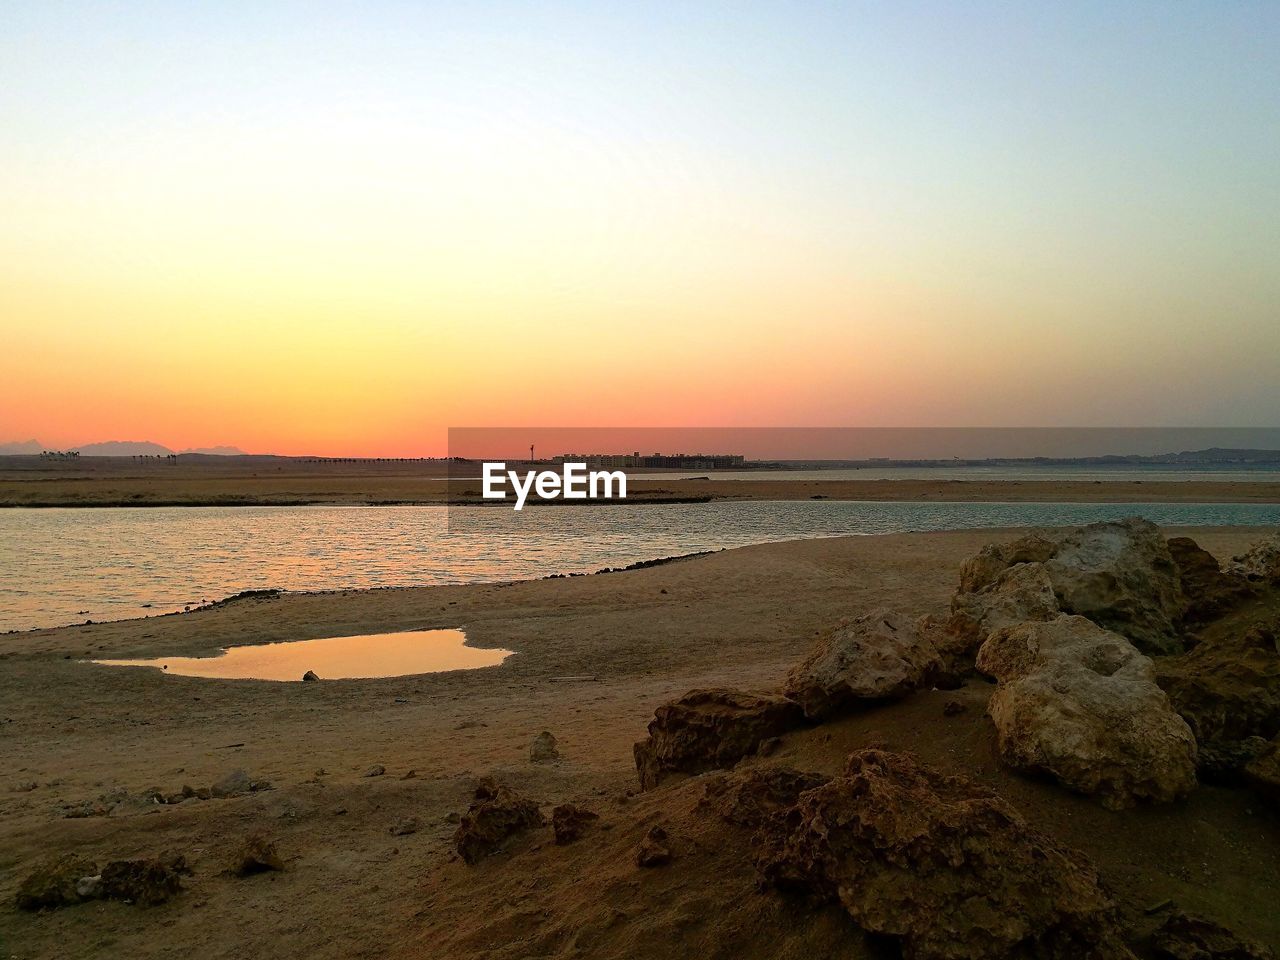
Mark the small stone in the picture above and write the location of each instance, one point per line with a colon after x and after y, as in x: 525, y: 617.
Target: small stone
x: 232, y: 784
x: 570, y: 821
x: 412, y: 774
x: 952, y: 708
x: 405, y: 827
x: 310, y: 677
x: 653, y: 850
x: 257, y: 855
x: 376, y: 770
x: 543, y: 749
x: 768, y: 745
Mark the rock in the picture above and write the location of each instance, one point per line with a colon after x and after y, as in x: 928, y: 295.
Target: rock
x: 146, y: 882
x: 871, y: 659
x: 981, y: 571
x: 653, y: 850
x: 232, y: 784
x: 495, y: 814
x: 1227, y: 688
x: 543, y: 749
x: 256, y: 855
x: 1183, y: 937
x: 768, y: 746
x: 376, y: 770
x: 1121, y: 576
x: 1259, y: 564
x: 569, y: 822
x: 1081, y: 704
x: 55, y: 882
x: 405, y: 827
x: 1263, y: 773
x: 1014, y: 595
x: 89, y: 888
x: 953, y: 708
x: 1206, y: 589
x: 751, y: 797
x: 310, y: 677
x: 710, y: 729
x: 946, y: 868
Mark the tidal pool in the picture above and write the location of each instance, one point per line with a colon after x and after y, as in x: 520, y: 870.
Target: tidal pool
x: 333, y: 658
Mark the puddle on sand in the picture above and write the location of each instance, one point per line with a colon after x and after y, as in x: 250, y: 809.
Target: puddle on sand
x: 334, y: 658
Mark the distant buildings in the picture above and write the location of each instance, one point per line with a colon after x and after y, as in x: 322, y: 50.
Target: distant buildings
x: 676, y: 461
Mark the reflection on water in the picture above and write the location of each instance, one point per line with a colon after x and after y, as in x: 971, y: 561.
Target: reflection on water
x: 334, y: 658
x: 70, y: 565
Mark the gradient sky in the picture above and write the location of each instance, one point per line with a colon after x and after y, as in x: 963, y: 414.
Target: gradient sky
x: 342, y: 227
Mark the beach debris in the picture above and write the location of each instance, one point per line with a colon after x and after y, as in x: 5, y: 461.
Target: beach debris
x: 873, y: 658
x: 570, y: 821
x: 751, y: 797
x: 310, y: 677
x: 376, y: 770
x: 1208, y: 592
x: 543, y: 749
x: 1228, y: 690
x: 146, y: 882
x: 939, y: 863
x: 256, y: 855
x: 709, y: 729
x: 653, y: 850
x: 496, y: 813
x: 55, y: 882
x: 236, y: 783
x: 1081, y: 704
x: 405, y: 827
x: 1260, y: 563
x: 1184, y: 937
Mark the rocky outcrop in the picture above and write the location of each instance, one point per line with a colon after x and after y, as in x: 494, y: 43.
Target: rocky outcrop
x: 496, y: 813
x: 752, y: 797
x: 1012, y: 596
x: 1260, y: 564
x: 1207, y: 591
x: 1183, y: 937
x: 1228, y: 690
x: 873, y: 658
x: 981, y: 571
x: 1081, y: 704
x: 710, y: 729
x: 1121, y: 576
x: 941, y: 865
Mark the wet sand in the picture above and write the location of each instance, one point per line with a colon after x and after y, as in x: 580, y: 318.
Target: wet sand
x: 630, y: 641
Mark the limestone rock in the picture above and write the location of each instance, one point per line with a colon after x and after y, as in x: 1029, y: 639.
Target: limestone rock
x: 54, y: 882
x: 569, y: 822
x: 1081, y: 704
x: 938, y: 863
x: 1121, y: 575
x: 1260, y: 563
x: 496, y: 813
x: 1206, y: 589
x: 981, y: 571
x: 873, y: 658
x: 1183, y: 937
x: 1012, y: 596
x: 543, y: 749
x: 710, y: 729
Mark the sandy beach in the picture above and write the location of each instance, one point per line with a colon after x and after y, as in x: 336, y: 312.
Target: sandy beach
x: 352, y: 887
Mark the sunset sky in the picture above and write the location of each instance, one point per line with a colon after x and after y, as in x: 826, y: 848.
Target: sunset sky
x: 340, y: 228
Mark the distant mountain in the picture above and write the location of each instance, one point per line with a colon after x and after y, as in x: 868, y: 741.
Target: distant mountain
x: 20, y: 448
x: 223, y: 451
x: 123, y: 448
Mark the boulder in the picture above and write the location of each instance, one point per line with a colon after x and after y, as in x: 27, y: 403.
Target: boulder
x: 1259, y: 564
x: 982, y: 570
x: 873, y: 658
x: 496, y: 813
x: 945, y: 868
x: 1121, y: 575
x: 54, y: 883
x: 1228, y: 690
x: 1208, y: 592
x: 1183, y: 937
x: 1014, y: 595
x: 1081, y: 704
x: 710, y: 729
x: 569, y: 822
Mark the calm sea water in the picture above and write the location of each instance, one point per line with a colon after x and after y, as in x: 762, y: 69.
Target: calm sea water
x: 68, y: 566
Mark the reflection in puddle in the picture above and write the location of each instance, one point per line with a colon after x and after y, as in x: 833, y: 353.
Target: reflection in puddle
x: 334, y: 658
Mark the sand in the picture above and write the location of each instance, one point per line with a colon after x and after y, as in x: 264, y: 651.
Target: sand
x: 212, y: 481
x: 353, y: 889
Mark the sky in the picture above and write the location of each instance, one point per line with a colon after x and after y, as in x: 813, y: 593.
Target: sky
x: 341, y: 228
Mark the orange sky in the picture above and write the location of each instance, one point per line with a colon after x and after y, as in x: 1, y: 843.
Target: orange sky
x: 342, y: 235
